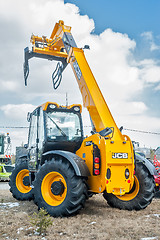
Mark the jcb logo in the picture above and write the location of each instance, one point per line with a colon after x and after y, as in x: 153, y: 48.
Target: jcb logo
x: 120, y: 155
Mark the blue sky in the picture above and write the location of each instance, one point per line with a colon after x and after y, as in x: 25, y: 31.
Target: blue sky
x: 124, y: 56
x: 125, y: 16
x: 132, y: 18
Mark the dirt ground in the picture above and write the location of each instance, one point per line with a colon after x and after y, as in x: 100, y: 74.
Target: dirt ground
x: 96, y: 221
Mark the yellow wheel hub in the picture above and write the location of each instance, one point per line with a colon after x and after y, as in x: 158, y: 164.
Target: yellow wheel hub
x: 133, y: 193
x: 50, y: 195
x: 19, y: 181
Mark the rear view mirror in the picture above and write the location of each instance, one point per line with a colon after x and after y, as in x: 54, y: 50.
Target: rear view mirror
x: 105, y: 132
x: 28, y: 116
x: 26, y: 145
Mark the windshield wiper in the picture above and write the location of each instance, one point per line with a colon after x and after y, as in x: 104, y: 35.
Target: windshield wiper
x: 62, y: 132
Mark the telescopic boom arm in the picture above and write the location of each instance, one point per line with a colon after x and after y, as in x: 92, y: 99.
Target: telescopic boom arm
x: 61, y: 47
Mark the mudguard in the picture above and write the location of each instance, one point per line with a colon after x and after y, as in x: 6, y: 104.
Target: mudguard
x: 77, y: 163
x: 147, y: 163
x: 21, y: 159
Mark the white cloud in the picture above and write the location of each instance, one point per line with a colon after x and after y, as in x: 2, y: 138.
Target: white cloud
x: 9, y: 86
x: 144, y: 123
x: 111, y: 60
x: 130, y: 108
x: 149, y: 71
x: 149, y: 36
x: 157, y: 88
x: 17, y: 111
x: 52, y: 11
x: 19, y: 137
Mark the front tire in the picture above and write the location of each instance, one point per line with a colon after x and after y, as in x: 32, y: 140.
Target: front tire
x: 19, y: 182
x: 58, y: 189
x: 140, y: 195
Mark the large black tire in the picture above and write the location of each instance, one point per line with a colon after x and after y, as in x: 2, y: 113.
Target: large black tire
x: 140, y: 195
x: 157, y: 194
x: 58, y: 189
x: 19, y: 182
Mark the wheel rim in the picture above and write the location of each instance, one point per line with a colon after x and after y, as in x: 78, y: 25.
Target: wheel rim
x: 46, y: 189
x: 19, y: 181
x: 133, y: 193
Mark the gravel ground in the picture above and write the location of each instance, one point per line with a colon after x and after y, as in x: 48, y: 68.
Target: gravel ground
x: 4, y: 185
x: 96, y: 221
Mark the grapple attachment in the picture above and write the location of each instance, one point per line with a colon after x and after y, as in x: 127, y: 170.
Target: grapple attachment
x: 57, y: 74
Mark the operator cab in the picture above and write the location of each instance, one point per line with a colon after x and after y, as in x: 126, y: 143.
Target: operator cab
x: 54, y: 127
x: 63, y: 127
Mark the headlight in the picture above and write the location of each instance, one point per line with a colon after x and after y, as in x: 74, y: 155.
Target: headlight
x: 76, y: 109
x: 52, y: 106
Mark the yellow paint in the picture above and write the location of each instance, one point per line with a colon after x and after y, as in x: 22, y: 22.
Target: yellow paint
x: 101, y: 117
x: 19, y: 181
x: 93, y: 99
x: 132, y: 194
x: 117, y: 184
x: 48, y: 196
x: 50, y: 52
x: 45, y: 106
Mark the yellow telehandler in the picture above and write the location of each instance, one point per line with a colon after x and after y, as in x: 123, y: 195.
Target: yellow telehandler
x: 63, y: 168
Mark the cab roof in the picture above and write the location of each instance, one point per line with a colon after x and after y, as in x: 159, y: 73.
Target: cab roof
x: 45, y: 106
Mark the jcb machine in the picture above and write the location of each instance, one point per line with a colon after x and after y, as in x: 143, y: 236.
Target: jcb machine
x: 63, y: 168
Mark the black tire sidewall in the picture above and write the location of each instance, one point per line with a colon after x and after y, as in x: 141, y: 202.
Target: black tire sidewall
x: 13, y: 188
x: 144, y: 196
x: 71, y: 181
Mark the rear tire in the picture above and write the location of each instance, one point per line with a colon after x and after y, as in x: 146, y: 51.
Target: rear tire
x: 18, y: 182
x: 140, y: 195
x: 58, y: 189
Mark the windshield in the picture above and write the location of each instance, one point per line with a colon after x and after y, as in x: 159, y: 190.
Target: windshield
x: 63, y: 126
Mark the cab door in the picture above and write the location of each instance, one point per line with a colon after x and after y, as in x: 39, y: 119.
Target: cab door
x: 36, y: 138
x: 33, y: 140
x: 41, y: 136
